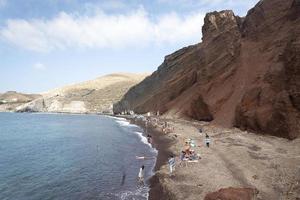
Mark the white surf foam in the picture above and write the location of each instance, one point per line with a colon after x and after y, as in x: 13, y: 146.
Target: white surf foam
x: 125, y: 123
x: 143, y: 138
x: 142, y: 192
x: 117, y: 118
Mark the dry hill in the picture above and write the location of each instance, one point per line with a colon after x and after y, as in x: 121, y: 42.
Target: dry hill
x: 91, y: 96
x: 11, y: 99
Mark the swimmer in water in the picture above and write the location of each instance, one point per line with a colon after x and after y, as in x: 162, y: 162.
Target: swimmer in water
x: 123, y: 178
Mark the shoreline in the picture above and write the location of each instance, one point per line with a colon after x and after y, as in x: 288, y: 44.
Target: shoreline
x: 240, y: 161
x: 162, y: 144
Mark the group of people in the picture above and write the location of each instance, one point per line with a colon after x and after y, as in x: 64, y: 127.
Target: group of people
x: 166, y: 128
x: 187, y: 154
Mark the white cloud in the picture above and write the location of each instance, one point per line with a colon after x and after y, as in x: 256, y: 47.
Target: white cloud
x: 39, y: 66
x: 102, y: 31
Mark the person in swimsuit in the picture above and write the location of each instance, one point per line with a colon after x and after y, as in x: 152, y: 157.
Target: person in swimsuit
x: 141, y: 173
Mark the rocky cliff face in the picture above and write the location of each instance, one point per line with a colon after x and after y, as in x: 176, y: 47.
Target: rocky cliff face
x: 95, y: 96
x: 245, y: 73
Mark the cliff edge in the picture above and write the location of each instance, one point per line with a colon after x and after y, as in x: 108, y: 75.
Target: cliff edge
x: 245, y: 73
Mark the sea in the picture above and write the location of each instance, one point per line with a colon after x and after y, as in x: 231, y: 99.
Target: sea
x: 70, y: 157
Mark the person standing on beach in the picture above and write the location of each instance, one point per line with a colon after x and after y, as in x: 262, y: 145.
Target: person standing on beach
x: 200, y: 130
x: 141, y: 173
x: 182, y: 157
x: 171, y: 163
x: 207, y: 140
x: 149, y: 139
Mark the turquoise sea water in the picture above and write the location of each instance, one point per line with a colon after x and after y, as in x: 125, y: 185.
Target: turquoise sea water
x: 57, y: 156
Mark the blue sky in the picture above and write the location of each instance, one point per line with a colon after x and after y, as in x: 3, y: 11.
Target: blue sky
x: 45, y: 44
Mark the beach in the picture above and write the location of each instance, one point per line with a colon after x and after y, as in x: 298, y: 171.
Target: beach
x: 256, y: 166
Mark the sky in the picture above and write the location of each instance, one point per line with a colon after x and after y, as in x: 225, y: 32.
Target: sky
x: 45, y: 44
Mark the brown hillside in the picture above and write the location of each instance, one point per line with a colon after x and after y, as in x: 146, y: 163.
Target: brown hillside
x: 11, y: 99
x: 15, y: 97
x: 92, y: 96
x: 245, y: 73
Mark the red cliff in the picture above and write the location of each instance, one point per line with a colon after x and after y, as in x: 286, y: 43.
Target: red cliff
x: 245, y: 73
